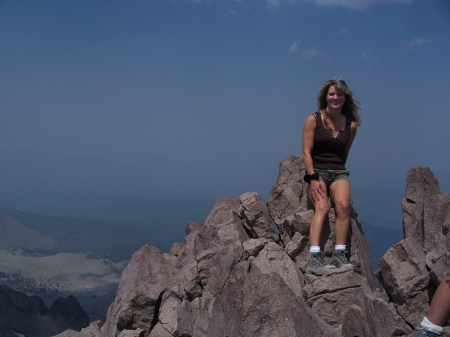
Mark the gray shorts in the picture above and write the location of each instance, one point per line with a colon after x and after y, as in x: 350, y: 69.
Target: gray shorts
x: 330, y: 176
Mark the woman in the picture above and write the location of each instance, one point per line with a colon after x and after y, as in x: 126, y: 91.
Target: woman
x: 327, y: 137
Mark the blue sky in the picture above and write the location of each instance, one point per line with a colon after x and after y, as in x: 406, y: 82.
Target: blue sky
x: 203, y: 99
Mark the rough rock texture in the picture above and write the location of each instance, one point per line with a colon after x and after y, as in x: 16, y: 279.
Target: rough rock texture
x: 140, y: 287
x: 93, y: 330
x: 29, y: 316
x: 235, y: 275
x: 255, y: 217
x: 271, y: 308
x: 345, y: 301
x: 411, y: 270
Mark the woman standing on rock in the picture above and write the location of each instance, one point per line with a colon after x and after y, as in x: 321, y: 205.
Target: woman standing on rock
x: 327, y: 137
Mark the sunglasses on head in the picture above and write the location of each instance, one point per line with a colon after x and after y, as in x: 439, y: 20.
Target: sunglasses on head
x: 334, y: 81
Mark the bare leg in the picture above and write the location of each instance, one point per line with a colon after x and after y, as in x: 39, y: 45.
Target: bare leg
x: 439, y: 311
x: 321, y: 209
x: 340, y: 196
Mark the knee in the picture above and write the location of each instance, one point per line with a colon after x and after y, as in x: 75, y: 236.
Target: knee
x: 322, y: 208
x: 342, y: 208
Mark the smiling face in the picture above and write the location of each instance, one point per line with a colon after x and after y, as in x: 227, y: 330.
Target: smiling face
x: 335, y: 98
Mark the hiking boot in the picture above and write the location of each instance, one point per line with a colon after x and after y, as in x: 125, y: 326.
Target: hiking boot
x: 317, y: 264
x: 420, y: 332
x: 339, y: 259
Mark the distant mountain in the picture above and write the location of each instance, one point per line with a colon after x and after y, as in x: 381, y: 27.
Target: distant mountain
x: 14, y: 234
x: 50, y: 235
x: 164, y: 218
x: 119, y: 240
x: 28, y: 316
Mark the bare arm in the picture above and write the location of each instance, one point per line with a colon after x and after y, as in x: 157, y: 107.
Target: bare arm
x: 439, y: 311
x: 308, y: 143
x: 350, y: 140
x: 316, y: 189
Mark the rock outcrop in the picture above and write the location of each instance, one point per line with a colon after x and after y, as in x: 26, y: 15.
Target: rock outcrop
x: 236, y: 274
x: 411, y: 270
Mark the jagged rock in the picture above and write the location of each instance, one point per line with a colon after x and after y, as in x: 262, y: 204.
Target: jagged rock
x: 426, y: 219
x: 425, y: 211
x: 271, y: 308
x: 226, y: 310
x: 140, y: 289
x: 411, y: 270
x: 378, y: 319
x: 185, y: 270
x: 132, y: 333
x: 289, y: 192
x: 93, y: 330
x: 273, y: 259
x: 438, y: 264
x: 218, y: 250
x: 346, y: 302
x: 234, y: 276
x: 402, y: 272
x: 174, y: 313
x: 176, y: 249
x: 158, y: 331
x: 256, y: 217
x: 252, y: 247
x: 218, y: 245
x: 192, y: 227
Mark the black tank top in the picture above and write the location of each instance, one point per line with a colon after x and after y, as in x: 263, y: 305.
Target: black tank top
x: 328, y: 151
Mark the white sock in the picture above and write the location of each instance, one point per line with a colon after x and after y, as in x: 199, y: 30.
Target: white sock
x: 314, y: 249
x: 340, y: 247
x: 427, y: 325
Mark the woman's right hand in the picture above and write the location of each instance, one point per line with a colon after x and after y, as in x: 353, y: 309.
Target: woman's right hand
x: 316, y: 190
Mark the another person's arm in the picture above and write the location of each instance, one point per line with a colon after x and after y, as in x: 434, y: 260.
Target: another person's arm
x: 439, y: 311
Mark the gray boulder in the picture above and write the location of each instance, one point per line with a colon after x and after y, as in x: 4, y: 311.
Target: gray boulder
x: 140, y: 289
x: 402, y: 272
x: 270, y: 308
x: 255, y: 217
x: 273, y: 259
x: 412, y: 269
x: 345, y: 301
x: 425, y: 211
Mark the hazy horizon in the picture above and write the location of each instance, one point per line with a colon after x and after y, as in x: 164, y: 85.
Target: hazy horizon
x: 106, y: 105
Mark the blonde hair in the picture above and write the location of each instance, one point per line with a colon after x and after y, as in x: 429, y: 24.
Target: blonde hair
x: 351, y: 106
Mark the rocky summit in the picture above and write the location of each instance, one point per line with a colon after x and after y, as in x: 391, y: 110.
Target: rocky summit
x: 236, y: 274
